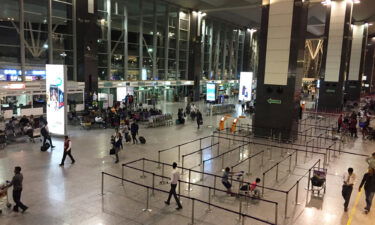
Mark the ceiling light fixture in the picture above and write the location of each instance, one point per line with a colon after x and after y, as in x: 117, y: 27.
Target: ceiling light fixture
x: 356, y: 1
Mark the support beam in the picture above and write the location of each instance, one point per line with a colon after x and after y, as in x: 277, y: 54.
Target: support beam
x: 125, y: 53
x: 109, y: 40
x: 74, y: 18
x: 155, y: 43
x: 140, y: 39
x: 50, y: 33
x: 22, y: 39
x: 353, y: 84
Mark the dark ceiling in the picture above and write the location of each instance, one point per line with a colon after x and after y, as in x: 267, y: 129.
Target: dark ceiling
x: 247, y: 13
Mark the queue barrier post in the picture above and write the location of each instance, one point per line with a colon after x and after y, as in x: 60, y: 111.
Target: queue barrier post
x: 240, y: 210
x: 102, y: 188
x: 162, y: 175
x: 179, y: 152
x: 147, y: 209
x: 290, y: 163
x: 192, y: 211
x: 263, y: 181
x: 209, y: 200
x: 286, y: 204
x: 189, y: 188
x: 153, y: 184
x: 143, y: 169
x: 249, y: 167
x: 277, y: 172
x: 214, y: 185
x: 158, y: 167
x: 122, y: 175
x: 297, y: 192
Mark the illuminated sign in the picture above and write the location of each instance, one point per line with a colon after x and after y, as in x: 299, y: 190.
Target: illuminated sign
x: 56, y: 98
x: 16, y: 86
x: 246, y: 81
x: 211, y: 92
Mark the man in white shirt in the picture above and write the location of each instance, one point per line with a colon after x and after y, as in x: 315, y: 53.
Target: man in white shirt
x: 174, y: 181
x: 347, y: 187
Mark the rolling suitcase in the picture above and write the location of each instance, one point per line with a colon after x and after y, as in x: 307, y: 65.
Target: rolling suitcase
x: 142, y: 140
x: 45, y: 147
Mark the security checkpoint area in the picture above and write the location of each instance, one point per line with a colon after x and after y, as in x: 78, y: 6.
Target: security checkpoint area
x: 286, y: 169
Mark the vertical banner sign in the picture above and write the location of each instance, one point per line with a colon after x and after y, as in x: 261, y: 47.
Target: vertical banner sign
x: 56, y: 98
x: 246, y: 83
x: 211, y: 92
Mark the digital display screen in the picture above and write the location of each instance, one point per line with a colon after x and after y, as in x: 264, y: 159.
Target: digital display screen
x: 56, y: 100
x: 211, y: 92
x: 245, y: 89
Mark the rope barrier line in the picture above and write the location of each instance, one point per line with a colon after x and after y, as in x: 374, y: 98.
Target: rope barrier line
x: 187, y: 197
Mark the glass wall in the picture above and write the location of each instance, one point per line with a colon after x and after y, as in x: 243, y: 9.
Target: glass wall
x: 222, y: 50
x: 36, y: 20
x: 138, y: 40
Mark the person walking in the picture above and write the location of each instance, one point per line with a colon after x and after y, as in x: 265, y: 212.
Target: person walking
x: 347, y: 187
x: 199, y: 118
x: 17, y: 189
x: 117, y: 144
x: 368, y: 181
x: 174, y: 180
x: 134, y: 131
x: 67, y: 151
x: 46, y: 135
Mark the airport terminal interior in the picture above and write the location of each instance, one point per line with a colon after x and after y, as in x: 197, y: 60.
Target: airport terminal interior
x: 229, y: 112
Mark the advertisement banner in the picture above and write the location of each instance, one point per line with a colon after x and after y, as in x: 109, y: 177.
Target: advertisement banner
x: 246, y: 82
x: 211, y: 92
x: 56, y: 98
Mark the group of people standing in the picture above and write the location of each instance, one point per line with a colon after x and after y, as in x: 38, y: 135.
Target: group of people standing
x: 129, y: 134
x: 349, y: 123
x: 194, y: 113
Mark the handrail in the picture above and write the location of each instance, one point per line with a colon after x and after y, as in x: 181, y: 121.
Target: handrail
x: 184, y: 196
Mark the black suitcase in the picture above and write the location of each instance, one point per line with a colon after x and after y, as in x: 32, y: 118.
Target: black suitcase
x: 142, y: 140
x: 45, y: 147
x: 128, y: 138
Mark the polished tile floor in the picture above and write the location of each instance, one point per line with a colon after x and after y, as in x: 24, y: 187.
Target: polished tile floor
x: 72, y: 194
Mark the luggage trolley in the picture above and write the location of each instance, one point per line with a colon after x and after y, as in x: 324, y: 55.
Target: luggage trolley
x: 318, y: 181
x: 4, y: 198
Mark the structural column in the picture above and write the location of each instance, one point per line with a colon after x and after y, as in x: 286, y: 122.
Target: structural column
x: 281, y: 53
x: 22, y: 39
x: 87, y: 48
x: 336, y: 56
x: 195, y: 66
x: 369, y: 66
x: 357, y: 59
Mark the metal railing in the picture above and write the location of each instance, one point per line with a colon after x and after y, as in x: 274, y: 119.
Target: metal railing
x: 241, y: 215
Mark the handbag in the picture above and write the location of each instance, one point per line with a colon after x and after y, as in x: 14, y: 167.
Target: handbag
x: 112, y: 151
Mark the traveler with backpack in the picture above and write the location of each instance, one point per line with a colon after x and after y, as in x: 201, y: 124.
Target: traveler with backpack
x: 46, y: 135
x: 199, y: 118
x: 134, y: 131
